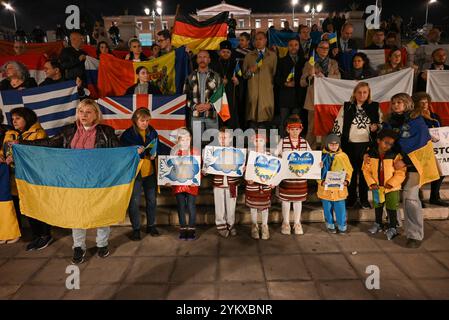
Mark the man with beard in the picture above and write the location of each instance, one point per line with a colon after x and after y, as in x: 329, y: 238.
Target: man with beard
x: 225, y: 66
x: 439, y: 57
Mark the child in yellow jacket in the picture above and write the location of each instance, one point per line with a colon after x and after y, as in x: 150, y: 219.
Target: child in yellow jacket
x: 334, y: 159
x: 384, y: 181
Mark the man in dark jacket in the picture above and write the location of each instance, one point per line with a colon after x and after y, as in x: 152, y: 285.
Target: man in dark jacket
x: 225, y: 66
x: 73, y: 58
x: 345, y: 43
x: 288, y: 75
x: 378, y: 40
x: 439, y: 57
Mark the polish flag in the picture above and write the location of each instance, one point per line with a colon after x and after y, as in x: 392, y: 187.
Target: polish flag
x: 330, y: 95
x: 438, y: 89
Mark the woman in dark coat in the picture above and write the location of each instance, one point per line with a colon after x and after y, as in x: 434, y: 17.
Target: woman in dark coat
x: 143, y: 85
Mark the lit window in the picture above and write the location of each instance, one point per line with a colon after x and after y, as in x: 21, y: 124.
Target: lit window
x: 258, y: 24
x: 270, y: 22
x: 296, y: 23
x: 241, y: 23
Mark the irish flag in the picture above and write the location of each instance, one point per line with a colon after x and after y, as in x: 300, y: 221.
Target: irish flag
x: 438, y: 89
x: 330, y: 94
x: 220, y: 103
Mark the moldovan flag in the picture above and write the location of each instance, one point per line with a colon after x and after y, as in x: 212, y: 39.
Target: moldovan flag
x: 330, y: 94
x: 438, y: 89
x: 220, y: 102
x: 9, y: 227
x: 168, y: 72
x: 72, y: 188
x: 418, y: 146
x: 205, y: 35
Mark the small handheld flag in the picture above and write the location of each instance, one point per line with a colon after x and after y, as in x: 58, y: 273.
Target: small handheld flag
x: 291, y: 75
x: 312, y: 58
x: 415, y: 43
x: 332, y: 38
x: 237, y: 70
x: 259, y: 60
x: 220, y: 102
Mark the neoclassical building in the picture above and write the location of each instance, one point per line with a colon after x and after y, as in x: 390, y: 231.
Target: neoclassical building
x: 147, y: 25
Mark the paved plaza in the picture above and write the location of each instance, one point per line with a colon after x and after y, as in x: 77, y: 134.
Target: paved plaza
x: 316, y: 265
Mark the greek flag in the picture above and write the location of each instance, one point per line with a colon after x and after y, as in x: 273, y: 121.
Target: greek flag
x: 55, y: 104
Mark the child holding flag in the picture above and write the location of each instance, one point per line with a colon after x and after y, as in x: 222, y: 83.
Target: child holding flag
x: 258, y: 196
x: 385, y: 181
x: 333, y: 199
x: 292, y: 191
x: 415, y: 145
x: 141, y: 133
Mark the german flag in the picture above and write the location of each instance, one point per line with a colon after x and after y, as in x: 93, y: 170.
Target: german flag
x: 204, y: 35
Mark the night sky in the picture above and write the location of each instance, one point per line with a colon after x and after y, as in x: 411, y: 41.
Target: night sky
x: 47, y: 13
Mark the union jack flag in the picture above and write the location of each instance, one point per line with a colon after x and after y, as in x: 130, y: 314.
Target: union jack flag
x: 168, y: 113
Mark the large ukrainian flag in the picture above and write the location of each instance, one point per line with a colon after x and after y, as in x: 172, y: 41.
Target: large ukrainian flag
x: 419, y: 148
x: 9, y: 227
x: 75, y: 188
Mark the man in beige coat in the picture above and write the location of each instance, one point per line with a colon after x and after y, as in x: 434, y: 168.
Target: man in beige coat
x: 323, y: 67
x: 259, y: 67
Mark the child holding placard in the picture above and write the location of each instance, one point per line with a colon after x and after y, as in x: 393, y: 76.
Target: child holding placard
x: 225, y: 193
x: 292, y: 191
x: 385, y: 181
x: 185, y: 195
x: 258, y: 196
x: 333, y: 199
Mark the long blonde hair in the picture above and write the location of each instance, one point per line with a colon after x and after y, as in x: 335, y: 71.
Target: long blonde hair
x: 94, y: 105
x: 357, y: 87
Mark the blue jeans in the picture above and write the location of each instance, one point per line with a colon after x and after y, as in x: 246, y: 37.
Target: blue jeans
x: 339, y: 207
x: 149, y: 190
x: 186, y: 201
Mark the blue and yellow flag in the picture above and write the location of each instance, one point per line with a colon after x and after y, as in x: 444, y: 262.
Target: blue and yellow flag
x: 419, y: 148
x: 259, y: 60
x: 237, y: 69
x: 9, y: 227
x: 312, y: 58
x: 416, y: 43
x: 80, y: 189
x: 291, y: 75
x: 332, y: 38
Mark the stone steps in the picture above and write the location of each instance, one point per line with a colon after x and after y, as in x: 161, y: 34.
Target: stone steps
x: 312, y: 209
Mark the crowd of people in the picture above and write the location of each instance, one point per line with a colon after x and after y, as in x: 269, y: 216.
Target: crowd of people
x: 264, y: 91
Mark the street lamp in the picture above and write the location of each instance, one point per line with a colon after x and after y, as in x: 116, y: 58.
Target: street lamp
x: 294, y: 3
x: 10, y: 8
x: 427, y: 8
x: 313, y: 11
x: 159, y: 12
x: 147, y: 11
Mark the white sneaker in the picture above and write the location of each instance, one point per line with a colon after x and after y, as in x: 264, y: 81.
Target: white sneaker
x: 265, y: 232
x: 285, y: 229
x: 298, y: 228
x: 255, y: 231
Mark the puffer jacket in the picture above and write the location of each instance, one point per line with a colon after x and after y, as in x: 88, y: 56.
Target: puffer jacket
x: 340, y: 162
x: 392, y: 177
x: 105, y: 138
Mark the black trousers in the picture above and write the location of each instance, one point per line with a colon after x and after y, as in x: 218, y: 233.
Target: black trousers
x: 435, y: 189
x: 355, y: 152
